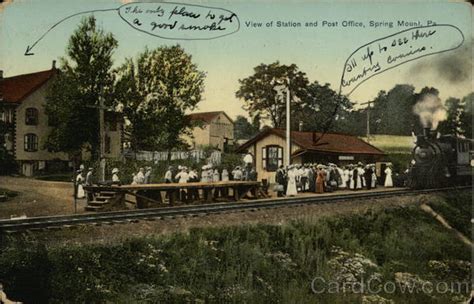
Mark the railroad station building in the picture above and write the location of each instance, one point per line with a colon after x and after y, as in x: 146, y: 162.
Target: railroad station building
x: 268, y: 149
x: 215, y: 129
x: 22, y: 108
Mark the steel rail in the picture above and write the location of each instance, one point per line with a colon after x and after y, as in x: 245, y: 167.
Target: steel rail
x: 43, y: 222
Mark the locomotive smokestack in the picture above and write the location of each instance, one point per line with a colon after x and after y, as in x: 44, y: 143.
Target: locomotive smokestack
x: 431, y: 111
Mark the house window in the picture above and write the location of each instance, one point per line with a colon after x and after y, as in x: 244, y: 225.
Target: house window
x: 31, y: 116
x: 272, y: 157
x: 31, y: 142
x: 6, y: 115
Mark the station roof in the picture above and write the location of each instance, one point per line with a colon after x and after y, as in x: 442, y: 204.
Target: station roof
x: 312, y: 142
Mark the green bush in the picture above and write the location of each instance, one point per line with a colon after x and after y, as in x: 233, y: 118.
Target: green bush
x: 249, y: 263
x: 400, y: 161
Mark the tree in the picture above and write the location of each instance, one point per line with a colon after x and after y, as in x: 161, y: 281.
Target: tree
x: 467, y: 115
x: 261, y: 98
x: 73, y: 98
x: 155, y: 91
x: 459, y: 116
x: 322, y: 109
x: 452, y: 124
x: 243, y: 129
x: 390, y: 113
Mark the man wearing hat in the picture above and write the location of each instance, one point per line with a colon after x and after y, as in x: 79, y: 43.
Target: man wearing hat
x: 169, y: 175
x: 147, y: 179
x: 368, y: 176
x: 361, y: 172
x: 280, y: 181
x: 90, y: 182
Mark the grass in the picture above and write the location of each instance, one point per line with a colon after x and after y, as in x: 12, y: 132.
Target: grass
x: 392, y: 143
x: 456, y: 209
x: 247, y: 263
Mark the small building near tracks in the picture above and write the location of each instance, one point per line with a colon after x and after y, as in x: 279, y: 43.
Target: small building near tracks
x: 268, y: 149
x: 215, y: 129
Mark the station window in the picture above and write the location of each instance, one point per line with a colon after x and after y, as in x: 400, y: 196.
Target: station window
x: 31, y: 142
x: 31, y: 116
x: 272, y: 157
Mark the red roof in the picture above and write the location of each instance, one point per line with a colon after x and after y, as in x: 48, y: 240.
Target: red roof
x: 206, y: 116
x: 15, y: 89
x: 329, y: 143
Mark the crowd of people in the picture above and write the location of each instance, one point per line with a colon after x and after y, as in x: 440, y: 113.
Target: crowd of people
x: 208, y: 174
x: 289, y: 181
x: 319, y: 178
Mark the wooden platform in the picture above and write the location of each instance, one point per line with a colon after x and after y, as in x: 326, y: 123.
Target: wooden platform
x: 147, y: 195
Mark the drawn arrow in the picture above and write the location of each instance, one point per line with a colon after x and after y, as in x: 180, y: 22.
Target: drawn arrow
x: 30, y: 47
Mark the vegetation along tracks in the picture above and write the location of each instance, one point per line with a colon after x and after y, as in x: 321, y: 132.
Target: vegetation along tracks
x: 65, y: 221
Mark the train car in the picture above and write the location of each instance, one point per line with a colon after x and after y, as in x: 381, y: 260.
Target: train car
x: 441, y: 161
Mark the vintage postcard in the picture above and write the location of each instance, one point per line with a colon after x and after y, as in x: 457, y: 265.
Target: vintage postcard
x: 236, y: 151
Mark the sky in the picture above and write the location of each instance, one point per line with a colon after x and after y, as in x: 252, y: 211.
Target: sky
x: 320, y: 52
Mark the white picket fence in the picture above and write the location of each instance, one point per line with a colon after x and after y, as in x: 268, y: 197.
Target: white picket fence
x: 157, y: 156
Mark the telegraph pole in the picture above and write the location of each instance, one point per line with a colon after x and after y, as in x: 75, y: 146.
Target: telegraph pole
x: 101, y: 108
x: 288, y: 116
x: 102, y: 136
x: 368, y: 118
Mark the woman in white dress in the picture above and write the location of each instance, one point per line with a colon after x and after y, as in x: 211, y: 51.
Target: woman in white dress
x: 342, y: 173
x: 291, y: 188
x: 225, y: 175
x: 360, y: 176
x: 351, y: 177
x: 79, y: 181
x: 374, y: 177
x: 388, y: 177
x: 215, y: 176
x: 134, y: 179
x: 115, y: 177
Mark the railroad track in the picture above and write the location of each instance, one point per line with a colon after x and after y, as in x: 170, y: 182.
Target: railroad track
x: 115, y: 217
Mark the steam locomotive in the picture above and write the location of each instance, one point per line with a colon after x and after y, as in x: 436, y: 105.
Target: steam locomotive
x: 440, y: 161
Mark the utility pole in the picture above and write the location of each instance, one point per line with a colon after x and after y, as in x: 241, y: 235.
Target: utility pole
x: 288, y: 117
x: 101, y: 108
x: 368, y: 118
x: 288, y: 114
x: 102, y: 136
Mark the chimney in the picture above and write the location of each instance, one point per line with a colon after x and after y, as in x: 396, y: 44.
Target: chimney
x: 300, y: 126
x: 54, y: 65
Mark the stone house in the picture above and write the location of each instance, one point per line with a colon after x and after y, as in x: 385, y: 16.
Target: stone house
x: 22, y: 102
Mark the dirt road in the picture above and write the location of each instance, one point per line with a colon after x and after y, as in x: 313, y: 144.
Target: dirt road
x: 37, y: 197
